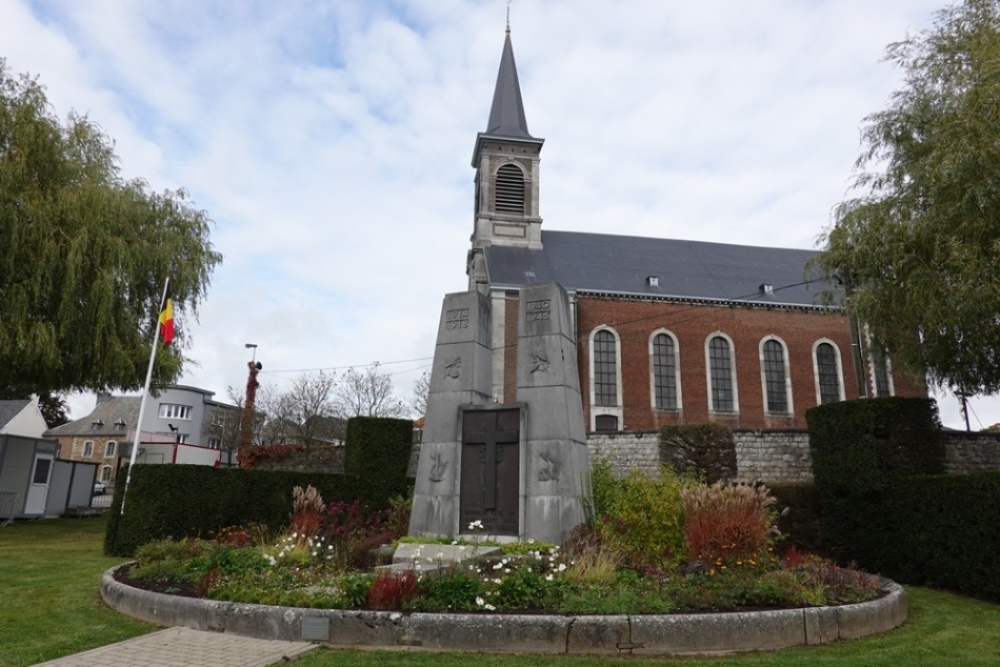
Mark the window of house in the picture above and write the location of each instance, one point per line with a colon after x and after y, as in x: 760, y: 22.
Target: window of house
x: 606, y: 423
x: 775, y: 376
x: 720, y: 366
x: 180, y: 438
x: 215, y: 443
x: 605, y: 369
x: 509, y: 189
x: 665, y: 372
x: 88, y: 449
x: 105, y: 473
x: 172, y: 411
x: 828, y: 374
x: 109, y: 448
x: 880, y: 374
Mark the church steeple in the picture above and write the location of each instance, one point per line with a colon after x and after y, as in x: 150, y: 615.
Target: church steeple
x: 506, y: 160
x: 507, y: 113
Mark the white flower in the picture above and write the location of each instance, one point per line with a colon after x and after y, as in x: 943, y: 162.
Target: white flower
x: 531, y: 540
x: 480, y: 601
x: 549, y: 577
x: 489, y: 607
x: 562, y: 567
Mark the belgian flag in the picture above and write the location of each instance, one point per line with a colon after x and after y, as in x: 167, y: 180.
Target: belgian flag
x: 166, y: 319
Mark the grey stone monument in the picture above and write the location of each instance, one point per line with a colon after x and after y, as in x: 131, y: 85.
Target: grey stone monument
x: 556, y: 459
x: 460, y: 375
x: 517, y: 470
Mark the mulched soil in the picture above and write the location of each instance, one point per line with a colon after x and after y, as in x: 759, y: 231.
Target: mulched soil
x: 171, y: 587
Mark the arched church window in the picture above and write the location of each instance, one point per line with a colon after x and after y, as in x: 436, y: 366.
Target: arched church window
x: 720, y: 366
x: 828, y: 374
x: 664, y: 362
x: 509, y: 190
x: 605, y: 369
x: 880, y: 373
x: 775, y: 377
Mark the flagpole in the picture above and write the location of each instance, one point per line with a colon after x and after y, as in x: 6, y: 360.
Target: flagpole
x: 145, y: 393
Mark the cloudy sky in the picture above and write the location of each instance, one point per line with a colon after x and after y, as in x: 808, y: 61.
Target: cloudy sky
x: 330, y: 141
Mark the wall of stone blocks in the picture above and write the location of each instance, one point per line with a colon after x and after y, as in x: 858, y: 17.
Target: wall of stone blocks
x: 771, y: 456
x: 971, y: 452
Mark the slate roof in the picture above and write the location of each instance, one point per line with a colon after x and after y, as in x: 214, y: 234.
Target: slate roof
x: 686, y: 270
x: 11, y: 409
x: 109, y: 411
x: 507, y: 112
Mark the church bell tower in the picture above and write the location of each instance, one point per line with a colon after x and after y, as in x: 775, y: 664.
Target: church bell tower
x: 506, y: 162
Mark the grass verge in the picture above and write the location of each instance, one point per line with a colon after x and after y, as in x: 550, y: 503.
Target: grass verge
x: 50, y: 602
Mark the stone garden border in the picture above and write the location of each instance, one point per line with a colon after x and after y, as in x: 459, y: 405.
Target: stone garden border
x: 676, y: 634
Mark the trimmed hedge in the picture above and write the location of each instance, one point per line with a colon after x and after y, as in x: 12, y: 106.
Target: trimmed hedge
x: 192, y: 500
x: 707, y: 450
x: 858, y: 448
x: 799, y: 521
x: 944, y: 531
x: 377, y: 453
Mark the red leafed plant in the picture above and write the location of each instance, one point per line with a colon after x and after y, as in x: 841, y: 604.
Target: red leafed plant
x: 727, y: 521
x: 390, y: 590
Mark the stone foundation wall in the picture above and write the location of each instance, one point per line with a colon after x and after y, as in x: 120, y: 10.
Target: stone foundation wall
x: 770, y: 456
x: 971, y: 452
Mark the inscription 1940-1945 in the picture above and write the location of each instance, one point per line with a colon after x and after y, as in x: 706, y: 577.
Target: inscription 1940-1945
x: 457, y: 319
x: 539, y: 310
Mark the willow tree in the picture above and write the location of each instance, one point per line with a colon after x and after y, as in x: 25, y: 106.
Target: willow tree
x: 919, y: 248
x: 84, y: 254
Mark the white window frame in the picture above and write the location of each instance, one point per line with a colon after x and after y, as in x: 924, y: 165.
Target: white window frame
x: 840, y: 368
x: 708, y: 375
x: 175, y: 411
x: 652, y: 370
x: 788, y: 377
x: 88, y: 448
x: 110, y: 449
x: 599, y: 410
x: 105, y: 473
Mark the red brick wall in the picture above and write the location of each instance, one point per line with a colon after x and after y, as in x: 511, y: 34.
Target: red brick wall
x: 635, y: 321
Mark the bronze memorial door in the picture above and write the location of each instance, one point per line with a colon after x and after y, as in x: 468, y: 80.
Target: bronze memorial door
x: 491, y: 458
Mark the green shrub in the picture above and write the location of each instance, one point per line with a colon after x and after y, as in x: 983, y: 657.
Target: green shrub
x: 376, y: 455
x: 858, y: 448
x: 707, y: 451
x: 196, y: 501
x: 798, y: 515
x: 644, y: 519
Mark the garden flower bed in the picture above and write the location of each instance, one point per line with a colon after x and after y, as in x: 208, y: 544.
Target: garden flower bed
x: 659, y: 546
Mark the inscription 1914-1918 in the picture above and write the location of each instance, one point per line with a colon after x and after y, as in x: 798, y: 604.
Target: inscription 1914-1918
x: 538, y: 310
x: 457, y: 319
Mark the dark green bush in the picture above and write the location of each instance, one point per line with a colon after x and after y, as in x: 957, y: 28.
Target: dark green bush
x: 192, y: 501
x: 858, y: 448
x: 799, y: 515
x: 377, y: 454
x: 944, y: 531
x: 704, y: 450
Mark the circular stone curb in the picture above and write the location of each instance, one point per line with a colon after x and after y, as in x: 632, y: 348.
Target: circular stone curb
x: 675, y: 634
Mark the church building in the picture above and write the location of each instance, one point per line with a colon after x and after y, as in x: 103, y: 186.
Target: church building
x: 668, y: 331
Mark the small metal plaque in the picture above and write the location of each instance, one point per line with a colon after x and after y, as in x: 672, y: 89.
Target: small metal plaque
x: 315, y: 628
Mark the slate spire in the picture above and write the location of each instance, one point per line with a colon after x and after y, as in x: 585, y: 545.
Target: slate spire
x: 507, y: 113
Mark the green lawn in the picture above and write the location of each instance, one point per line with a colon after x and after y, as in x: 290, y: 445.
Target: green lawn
x: 50, y: 602
x: 50, y: 607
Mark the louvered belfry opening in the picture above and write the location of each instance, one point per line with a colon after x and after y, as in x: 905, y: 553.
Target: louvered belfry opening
x: 509, y: 190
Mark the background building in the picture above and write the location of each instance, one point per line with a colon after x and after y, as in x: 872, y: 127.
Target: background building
x: 178, y: 414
